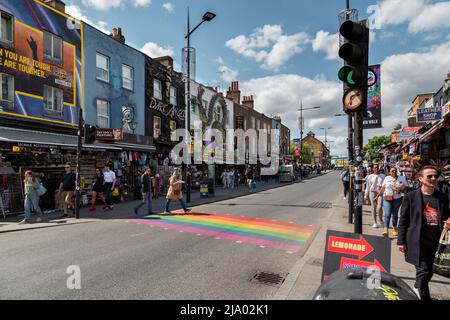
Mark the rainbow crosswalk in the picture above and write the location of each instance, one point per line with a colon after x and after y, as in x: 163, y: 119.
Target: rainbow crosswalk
x: 270, y: 234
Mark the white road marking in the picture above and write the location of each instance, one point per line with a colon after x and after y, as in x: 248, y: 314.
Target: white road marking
x: 181, y: 231
x: 218, y: 238
x: 166, y: 228
x: 137, y: 235
x: 262, y: 247
x: 289, y: 252
x: 238, y: 241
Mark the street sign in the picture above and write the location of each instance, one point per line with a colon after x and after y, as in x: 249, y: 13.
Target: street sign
x: 429, y: 114
x: 345, y: 250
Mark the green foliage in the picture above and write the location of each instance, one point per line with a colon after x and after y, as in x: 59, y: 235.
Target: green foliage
x: 306, y: 152
x: 373, y: 146
x: 398, y: 127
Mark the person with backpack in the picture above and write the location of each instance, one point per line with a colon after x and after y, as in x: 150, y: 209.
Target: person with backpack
x: 146, y: 189
x: 31, y: 186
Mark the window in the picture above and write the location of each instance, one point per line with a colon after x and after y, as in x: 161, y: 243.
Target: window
x: 103, y: 113
x: 6, y: 91
x: 157, y: 90
x: 240, y: 122
x: 173, y: 126
x: 156, y: 127
x: 53, y: 46
x: 127, y: 77
x: 173, y: 96
x: 102, y: 72
x: 258, y: 124
x: 253, y: 123
x: 53, y: 101
x: 6, y: 29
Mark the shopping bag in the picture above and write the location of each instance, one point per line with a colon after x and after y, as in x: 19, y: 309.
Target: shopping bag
x: 254, y: 184
x: 115, y: 192
x: 41, y: 190
x: 441, y: 264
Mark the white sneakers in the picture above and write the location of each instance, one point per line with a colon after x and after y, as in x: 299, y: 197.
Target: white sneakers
x: 375, y: 226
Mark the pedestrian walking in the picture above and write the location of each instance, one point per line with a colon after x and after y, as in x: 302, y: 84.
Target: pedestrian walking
x: 174, y: 192
x: 67, y: 190
x: 97, y: 190
x: 31, y: 200
x: 392, y: 190
x: 425, y: 212
x: 249, y: 176
x: 223, y: 176
x: 109, y: 178
x: 373, y: 185
x: 345, y: 178
x: 146, y: 189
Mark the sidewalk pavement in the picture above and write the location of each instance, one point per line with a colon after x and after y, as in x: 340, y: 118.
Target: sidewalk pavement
x: 305, y: 277
x: 125, y: 210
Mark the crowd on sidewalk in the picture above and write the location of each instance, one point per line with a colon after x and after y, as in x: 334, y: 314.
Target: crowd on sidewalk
x: 423, y: 204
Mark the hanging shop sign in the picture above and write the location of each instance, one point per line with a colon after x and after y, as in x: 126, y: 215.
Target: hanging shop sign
x: 108, y: 134
x: 429, y: 114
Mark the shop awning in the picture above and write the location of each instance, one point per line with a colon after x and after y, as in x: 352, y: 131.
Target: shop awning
x: 433, y: 130
x: 38, y: 139
x: 134, y: 147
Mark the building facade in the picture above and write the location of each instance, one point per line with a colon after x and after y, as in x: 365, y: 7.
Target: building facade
x: 319, y: 152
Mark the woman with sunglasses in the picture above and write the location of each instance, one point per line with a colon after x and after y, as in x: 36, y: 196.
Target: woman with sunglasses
x: 392, y: 190
x: 425, y: 214
x: 31, y: 197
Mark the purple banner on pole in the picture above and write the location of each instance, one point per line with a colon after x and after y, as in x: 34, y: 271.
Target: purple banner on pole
x: 373, y: 118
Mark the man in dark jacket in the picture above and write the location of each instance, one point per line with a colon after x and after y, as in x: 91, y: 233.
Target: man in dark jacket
x: 146, y: 189
x: 425, y: 212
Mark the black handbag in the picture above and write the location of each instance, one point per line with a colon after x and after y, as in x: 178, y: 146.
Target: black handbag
x: 441, y: 264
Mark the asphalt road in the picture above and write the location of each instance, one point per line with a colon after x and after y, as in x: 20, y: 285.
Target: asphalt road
x: 175, y: 257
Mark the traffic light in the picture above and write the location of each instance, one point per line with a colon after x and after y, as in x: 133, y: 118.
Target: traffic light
x: 89, y: 133
x: 354, y: 73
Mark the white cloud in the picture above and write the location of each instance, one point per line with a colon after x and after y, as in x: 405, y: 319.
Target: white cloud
x: 327, y: 42
x: 103, y: 4
x: 142, y: 3
x: 76, y: 12
x: 269, y: 46
x: 229, y: 74
x: 154, y: 51
x: 434, y: 16
x: 169, y: 7
x: 422, y: 15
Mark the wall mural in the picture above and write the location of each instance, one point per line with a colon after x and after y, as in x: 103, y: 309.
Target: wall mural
x: 210, y: 108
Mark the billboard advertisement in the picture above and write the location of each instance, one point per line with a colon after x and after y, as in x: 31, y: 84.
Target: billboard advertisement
x: 373, y: 118
x: 42, y: 60
x: 297, y: 148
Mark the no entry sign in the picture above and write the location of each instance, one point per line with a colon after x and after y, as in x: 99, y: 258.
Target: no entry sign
x: 345, y: 250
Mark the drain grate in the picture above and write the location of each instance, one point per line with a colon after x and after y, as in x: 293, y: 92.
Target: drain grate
x: 321, y: 205
x: 269, y: 278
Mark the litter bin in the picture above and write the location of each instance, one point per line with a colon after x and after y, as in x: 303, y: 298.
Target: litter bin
x: 358, y: 284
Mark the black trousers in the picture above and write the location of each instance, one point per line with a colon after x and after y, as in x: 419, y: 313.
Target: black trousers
x: 424, y: 271
x: 346, y: 187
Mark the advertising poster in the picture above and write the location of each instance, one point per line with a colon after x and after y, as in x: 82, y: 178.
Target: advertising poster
x: 45, y: 60
x: 297, y: 148
x: 373, y: 118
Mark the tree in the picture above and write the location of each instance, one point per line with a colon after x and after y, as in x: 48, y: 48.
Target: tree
x: 374, y: 146
x: 306, y: 152
x: 398, y: 127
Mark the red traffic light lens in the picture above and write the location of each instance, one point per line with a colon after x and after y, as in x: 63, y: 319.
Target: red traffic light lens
x: 351, y: 31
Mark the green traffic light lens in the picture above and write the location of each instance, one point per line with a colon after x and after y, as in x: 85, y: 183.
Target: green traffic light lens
x: 350, y: 78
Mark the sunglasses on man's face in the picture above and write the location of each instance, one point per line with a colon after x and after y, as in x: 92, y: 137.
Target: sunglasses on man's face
x: 430, y: 176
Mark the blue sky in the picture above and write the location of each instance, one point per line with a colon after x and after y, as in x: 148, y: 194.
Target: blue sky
x: 285, y: 51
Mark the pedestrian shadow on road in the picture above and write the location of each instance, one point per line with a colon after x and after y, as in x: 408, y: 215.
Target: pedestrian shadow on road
x: 268, y: 204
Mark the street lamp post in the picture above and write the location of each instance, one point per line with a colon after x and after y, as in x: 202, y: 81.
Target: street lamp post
x: 351, y: 198
x: 300, y: 125
x: 208, y: 16
x: 326, y: 129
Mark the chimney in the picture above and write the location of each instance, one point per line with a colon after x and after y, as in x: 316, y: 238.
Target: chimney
x: 117, y: 35
x: 277, y: 118
x: 57, y: 4
x: 234, y: 93
x: 249, y: 102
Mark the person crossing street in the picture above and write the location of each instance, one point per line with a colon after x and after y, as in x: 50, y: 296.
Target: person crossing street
x: 146, y: 189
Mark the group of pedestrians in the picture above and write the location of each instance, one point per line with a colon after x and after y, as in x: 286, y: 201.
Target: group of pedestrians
x: 424, y: 215
x: 230, y: 179
x: 174, y: 191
